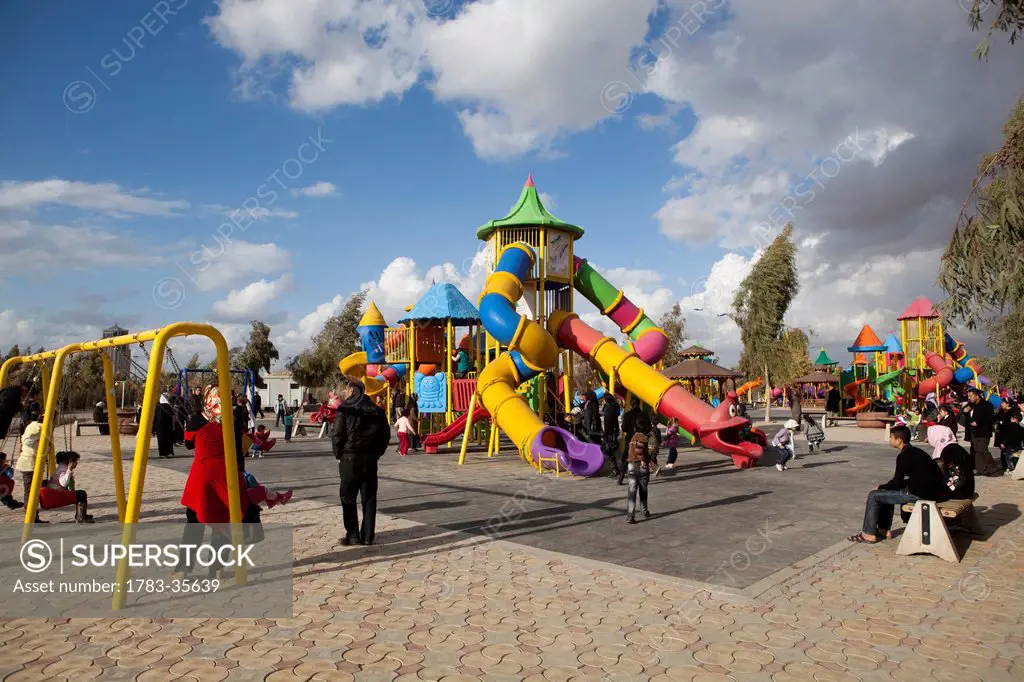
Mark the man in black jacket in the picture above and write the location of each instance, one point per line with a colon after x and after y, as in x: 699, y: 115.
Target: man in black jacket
x: 359, y: 436
x: 917, y: 477
x: 10, y: 405
x: 610, y: 437
x: 982, y: 419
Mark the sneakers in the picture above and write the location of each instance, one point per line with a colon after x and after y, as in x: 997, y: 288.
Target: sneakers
x: 630, y: 520
x: 350, y: 539
x: 647, y: 513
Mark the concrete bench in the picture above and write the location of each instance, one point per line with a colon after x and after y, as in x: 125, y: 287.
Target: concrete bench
x: 89, y: 425
x: 926, y: 532
x: 300, y: 428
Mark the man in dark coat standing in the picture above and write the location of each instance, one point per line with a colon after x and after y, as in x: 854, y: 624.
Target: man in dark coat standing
x: 10, y: 405
x: 981, y: 422
x: 359, y: 436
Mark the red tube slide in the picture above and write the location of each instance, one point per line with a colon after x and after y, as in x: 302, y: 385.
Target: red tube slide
x: 943, y: 375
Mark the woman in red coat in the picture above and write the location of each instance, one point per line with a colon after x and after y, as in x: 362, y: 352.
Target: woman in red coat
x: 206, y: 491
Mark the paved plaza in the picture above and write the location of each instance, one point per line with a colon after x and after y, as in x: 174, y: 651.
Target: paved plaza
x: 489, y: 571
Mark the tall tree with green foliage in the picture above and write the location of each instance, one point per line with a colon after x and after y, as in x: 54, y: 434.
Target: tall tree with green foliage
x: 259, y: 352
x: 982, y: 270
x: 1007, y: 16
x: 760, y: 306
x: 193, y: 362
x: 673, y: 323
x: 317, y: 366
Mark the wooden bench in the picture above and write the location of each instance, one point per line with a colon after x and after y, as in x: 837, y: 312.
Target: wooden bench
x: 89, y: 425
x: 926, y: 532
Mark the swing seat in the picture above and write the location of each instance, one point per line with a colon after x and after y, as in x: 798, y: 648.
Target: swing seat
x: 50, y: 498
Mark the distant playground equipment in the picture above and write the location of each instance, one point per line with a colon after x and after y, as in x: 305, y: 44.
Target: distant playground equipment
x: 924, y: 362
x: 521, y: 342
x: 128, y: 512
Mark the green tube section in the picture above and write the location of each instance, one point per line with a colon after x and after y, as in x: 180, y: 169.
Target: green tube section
x: 602, y: 293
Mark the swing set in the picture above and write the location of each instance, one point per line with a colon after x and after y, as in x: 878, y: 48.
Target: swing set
x: 129, y: 510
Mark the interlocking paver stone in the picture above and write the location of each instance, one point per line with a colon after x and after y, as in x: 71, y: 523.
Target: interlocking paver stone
x: 426, y: 605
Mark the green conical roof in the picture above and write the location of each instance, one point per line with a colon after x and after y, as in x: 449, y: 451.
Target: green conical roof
x: 529, y: 211
x: 824, y: 359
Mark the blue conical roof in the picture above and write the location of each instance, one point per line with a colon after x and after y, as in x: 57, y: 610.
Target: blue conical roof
x: 441, y: 303
x: 893, y: 345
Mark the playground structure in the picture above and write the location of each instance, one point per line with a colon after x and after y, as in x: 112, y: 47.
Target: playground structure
x: 700, y: 375
x: 426, y: 340
x: 923, y: 362
x: 129, y: 510
x: 523, y: 339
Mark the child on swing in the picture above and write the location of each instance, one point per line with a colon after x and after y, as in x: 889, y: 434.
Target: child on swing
x: 60, y: 490
x: 31, y: 431
x: 7, y: 484
x: 259, y: 493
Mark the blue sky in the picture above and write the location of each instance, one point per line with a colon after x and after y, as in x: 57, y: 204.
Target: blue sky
x: 155, y: 142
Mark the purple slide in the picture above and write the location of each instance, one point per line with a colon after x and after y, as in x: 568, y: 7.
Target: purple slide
x: 577, y: 457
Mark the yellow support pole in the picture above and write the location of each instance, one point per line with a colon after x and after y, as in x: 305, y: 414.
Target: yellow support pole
x: 50, y: 409
x: 51, y: 451
x: 468, y: 429
x: 115, y: 436
x: 448, y: 412
x: 151, y: 397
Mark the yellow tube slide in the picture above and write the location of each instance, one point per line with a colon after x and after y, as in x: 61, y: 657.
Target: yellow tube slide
x: 355, y: 366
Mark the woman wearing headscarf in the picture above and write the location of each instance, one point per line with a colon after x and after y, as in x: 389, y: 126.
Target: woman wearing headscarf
x: 163, y: 427
x: 955, y: 462
x: 205, y: 497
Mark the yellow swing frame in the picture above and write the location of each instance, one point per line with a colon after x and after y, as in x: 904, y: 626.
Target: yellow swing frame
x: 129, y: 512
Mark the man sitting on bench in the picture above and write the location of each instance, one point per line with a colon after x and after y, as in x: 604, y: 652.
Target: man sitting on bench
x: 917, y: 477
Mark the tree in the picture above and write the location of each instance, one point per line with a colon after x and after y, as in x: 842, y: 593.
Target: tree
x: 1009, y: 19
x: 317, y: 366
x: 791, y: 359
x: 760, y: 306
x: 981, y: 270
x: 259, y: 352
x: 673, y: 323
x: 13, y: 351
x: 193, y: 362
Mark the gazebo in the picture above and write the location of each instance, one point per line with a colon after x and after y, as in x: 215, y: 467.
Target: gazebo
x: 704, y: 379
x: 824, y: 363
x: 696, y: 352
x: 813, y: 386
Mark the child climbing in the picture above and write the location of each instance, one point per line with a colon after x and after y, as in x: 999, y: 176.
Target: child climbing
x: 60, y: 489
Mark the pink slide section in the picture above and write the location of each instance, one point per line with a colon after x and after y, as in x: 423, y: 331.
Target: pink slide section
x: 943, y: 375
x: 451, y: 432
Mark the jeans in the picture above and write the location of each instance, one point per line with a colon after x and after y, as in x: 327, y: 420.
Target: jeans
x: 672, y: 454
x: 358, y: 477
x: 639, y: 479
x: 881, y: 504
x: 278, y: 418
x: 785, y: 454
x: 287, y: 432
x: 1006, y: 458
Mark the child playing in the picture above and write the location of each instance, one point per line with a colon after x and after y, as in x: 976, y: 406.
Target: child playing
x: 638, y: 468
x: 259, y: 493
x: 288, y: 421
x: 672, y: 442
x: 32, y: 429
x: 1012, y: 442
x: 404, y: 425
x: 783, y: 441
x: 262, y: 441
x: 7, y: 484
x: 814, y: 433
x: 60, y: 489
